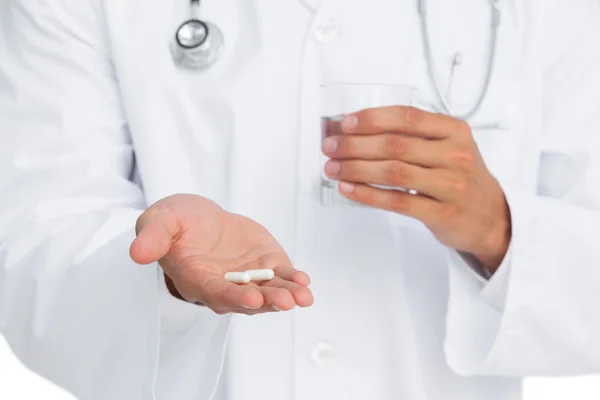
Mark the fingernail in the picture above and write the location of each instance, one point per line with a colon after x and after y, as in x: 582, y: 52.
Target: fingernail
x: 347, y: 187
x: 349, y: 122
x: 250, y: 308
x: 275, y: 308
x: 332, y: 167
x: 330, y: 145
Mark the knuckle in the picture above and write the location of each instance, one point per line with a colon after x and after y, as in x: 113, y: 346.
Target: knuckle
x: 353, y: 171
x: 463, y: 160
x: 412, y: 116
x: 448, y: 214
x: 463, y: 127
x: 345, y: 146
x: 395, y: 174
x: 374, y: 118
x: 347, y: 169
x: 395, y: 146
x: 399, y: 202
x: 167, y: 209
x: 458, y: 186
x: 149, y: 215
x: 366, y: 196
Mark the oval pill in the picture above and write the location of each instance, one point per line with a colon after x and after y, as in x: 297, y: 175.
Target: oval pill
x: 261, y: 274
x: 237, y: 277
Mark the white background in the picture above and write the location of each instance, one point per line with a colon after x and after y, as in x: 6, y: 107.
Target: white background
x: 17, y: 383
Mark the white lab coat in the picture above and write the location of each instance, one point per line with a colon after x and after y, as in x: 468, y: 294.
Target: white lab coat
x: 84, y: 84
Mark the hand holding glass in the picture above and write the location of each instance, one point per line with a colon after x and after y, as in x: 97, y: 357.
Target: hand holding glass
x: 340, y: 99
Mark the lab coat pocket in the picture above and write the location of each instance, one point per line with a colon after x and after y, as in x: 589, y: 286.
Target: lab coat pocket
x: 562, y: 175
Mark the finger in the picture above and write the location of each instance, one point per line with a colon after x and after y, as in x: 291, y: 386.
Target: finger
x: 389, y: 146
x: 277, y: 297
x: 155, y: 234
x: 264, y: 310
x: 427, y: 210
x: 439, y: 184
x: 388, y: 173
x: 217, y: 293
x: 407, y: 120
x: 302, y: 296
x: 293, y: 275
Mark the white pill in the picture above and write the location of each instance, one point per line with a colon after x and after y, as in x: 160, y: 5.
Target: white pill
x: 237, y: 277
x: 261, y: 274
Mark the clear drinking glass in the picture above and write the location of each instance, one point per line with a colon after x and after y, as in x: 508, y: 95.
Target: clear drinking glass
x: 341, y: 98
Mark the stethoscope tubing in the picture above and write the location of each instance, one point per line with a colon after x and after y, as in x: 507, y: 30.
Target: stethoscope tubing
x: 443, y: 98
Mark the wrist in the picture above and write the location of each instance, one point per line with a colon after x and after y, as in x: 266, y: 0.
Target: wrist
x: 493, y: 252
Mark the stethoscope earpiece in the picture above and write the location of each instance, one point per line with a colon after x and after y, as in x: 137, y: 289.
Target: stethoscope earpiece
x: 198, y: 44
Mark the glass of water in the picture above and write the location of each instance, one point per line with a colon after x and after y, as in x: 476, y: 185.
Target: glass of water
x: 341, y: 98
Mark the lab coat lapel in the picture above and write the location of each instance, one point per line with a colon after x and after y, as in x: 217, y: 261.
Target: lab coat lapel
x: 159, y: 113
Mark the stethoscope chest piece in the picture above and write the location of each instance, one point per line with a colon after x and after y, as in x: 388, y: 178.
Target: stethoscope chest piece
x: 198, y: 44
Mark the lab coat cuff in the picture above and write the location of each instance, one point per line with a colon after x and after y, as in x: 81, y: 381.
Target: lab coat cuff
x: 493, y: 288
x: 481, y: 313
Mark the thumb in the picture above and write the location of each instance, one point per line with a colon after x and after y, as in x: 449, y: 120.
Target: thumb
x: 154, y: 238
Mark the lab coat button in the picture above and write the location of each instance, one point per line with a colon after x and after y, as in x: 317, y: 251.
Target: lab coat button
x: 326, y: 32
x: 323, y: 353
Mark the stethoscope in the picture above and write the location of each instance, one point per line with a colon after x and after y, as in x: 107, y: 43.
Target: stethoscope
x: 457, y: 60
x: 199, y: 44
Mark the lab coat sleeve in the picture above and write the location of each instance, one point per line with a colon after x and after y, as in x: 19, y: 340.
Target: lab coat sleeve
x: 73, y: 306
x: 541, y: 315
x: 493, y: 287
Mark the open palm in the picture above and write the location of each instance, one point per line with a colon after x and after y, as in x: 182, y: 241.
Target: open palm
x: 196, y: 243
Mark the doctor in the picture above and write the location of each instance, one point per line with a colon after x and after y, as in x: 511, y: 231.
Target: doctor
x: 116, y: 153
